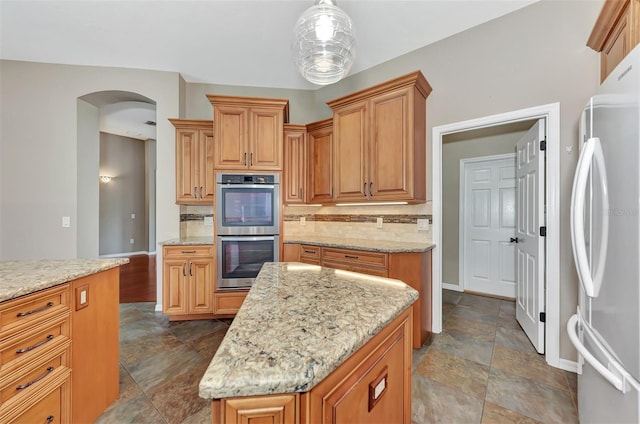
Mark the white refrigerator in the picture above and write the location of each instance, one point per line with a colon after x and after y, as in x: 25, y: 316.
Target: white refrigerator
x: 605, y: 235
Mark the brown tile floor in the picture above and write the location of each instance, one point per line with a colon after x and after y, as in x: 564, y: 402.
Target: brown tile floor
x: 480, y: 369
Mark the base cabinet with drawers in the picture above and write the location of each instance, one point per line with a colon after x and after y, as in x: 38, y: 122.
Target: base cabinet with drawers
x: 414, y: 268
x: 371, y: 386
x: 59, y: 352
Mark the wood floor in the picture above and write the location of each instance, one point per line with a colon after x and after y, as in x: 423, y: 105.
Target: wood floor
x: 138, y: 279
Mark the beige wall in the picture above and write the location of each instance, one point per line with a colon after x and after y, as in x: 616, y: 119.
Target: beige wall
x: 452, y: 153
x: 41, y: 174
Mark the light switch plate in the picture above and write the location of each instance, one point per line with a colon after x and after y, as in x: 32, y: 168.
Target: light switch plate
x: 423, y: 225
x: 303, y: 220
x: 379, y: 222
x: 208, y: 221
x: 66, y: 221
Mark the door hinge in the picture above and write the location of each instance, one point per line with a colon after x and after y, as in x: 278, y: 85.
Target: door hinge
x: 543, y: 317
x: 543, y: 145
x: 543, y: 231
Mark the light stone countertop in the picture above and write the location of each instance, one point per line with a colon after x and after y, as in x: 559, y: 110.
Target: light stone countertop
x: 21, y: 277
x: 363, y: 244
x: 186, y: 241
x: 299, y: 323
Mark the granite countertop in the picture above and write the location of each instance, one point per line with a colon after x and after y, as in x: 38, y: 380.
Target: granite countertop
x: 186, y: 241
x: 299, y: 323
x: 21, y: 277
x: 364, y: 244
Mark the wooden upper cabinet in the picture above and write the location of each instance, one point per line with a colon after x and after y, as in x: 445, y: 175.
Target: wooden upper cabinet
x: 320, y: 161
x: 194, y: 161
x: 615, y: 33
x: 380, y: 142
x: 249, y: 132
x: 295, y: 164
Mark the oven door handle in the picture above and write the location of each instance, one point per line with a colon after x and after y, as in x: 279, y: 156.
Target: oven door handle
x: 246, y: 238
x: 247, y: 186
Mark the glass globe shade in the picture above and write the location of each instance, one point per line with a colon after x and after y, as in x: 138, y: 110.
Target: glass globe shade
x: 324, y: 43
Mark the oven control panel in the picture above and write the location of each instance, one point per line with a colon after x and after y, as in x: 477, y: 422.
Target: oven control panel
x: 247, y: 179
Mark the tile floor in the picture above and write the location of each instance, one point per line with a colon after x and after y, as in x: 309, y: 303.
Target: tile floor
x: 480, y: 369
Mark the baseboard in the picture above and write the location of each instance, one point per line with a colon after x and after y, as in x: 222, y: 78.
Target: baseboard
x: 127, y: 254
x: 454, y: 287
x: 567, y: 365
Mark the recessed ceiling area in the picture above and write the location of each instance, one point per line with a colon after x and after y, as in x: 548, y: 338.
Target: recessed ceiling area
x: 238, y: 42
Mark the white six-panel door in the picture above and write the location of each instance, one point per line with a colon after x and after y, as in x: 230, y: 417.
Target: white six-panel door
x: 530, y: 173
x: 488, y: 221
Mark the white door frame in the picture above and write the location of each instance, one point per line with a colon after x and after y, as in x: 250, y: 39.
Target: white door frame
x: 551, y: 113
x: 462, y: 231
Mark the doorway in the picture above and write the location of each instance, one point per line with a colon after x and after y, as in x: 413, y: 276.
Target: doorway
x: 551, y: 115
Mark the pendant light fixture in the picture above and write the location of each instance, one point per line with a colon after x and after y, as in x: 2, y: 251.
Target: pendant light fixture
x: 324, y: 43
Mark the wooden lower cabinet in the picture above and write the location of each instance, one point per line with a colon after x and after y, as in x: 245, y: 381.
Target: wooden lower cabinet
x: 228, y: 302
x: 55, y: 339
x: 414, y: 268
x: 188, y: 282
x: 371, y: 386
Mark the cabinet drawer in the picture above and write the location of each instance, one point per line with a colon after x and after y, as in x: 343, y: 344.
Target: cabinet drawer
x: 228, y: 303
x: 355, y: 256
x: 20, y: 313
x: 48, y: 405
x: 188, y: 251
x: 310, y: 254
x: 27, y: 346
x: 34, y: 375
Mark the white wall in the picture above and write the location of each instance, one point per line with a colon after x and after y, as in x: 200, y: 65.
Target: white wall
x: 39, y: 172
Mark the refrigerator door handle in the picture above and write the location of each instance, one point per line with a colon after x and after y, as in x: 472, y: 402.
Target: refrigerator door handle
x: 592, y: 150
x: 614, y: 372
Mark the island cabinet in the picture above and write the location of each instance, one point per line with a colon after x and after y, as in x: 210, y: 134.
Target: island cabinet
x: 195, y: 182
x: 371, y: 386
x: 59, y: 350
x: 294, y: 180
x: 320, y: 161
x: 249, y: 132
x: 188, y: 280
x: 414, y: 268
x: 615, y: 33
x: 379, y: 136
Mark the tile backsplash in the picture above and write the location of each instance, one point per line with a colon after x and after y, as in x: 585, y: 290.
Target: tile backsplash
x: 399, y: 222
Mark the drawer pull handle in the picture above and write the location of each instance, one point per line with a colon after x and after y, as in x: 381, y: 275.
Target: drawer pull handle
x: 351, y: 256
x: 312, y: 252
x: 188, y: 251
x: 33, y: 311
x: 27, y: 349
x: 49, y: 419
x: 46, y: 373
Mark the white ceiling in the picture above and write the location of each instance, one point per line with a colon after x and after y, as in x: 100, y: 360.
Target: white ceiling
x: 240, y: 42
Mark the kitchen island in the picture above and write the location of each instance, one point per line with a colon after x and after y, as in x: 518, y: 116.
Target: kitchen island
x: 59, y: 331
x: 313, y: 343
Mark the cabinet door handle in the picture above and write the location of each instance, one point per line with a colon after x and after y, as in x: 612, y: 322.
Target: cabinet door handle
x: 201, y: 192
x: 371, y: 189
x: 50, y: 419
x: 184, y: 272
x: 364, y: 189
x: 350, y: 257
x: 244, y: 161
x: 33, y: 311
x: 35, y: 380
x: 29, y: 348
x: 191, y: 269
x: 251, y: 159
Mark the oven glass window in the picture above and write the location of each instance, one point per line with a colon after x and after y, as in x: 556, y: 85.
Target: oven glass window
x: 247, y: 207
x: 243, y: 259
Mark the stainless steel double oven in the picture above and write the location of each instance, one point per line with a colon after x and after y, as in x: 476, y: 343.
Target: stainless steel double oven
x: 247, y: 227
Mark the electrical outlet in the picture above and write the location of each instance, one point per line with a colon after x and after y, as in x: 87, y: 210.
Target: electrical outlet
x: 66, y: 221
x: 379, y: 222
x: 133, y: 216
x: 131, y: 241
x: 208, y: 221
x: 303, y: 221
x: 423, y: 225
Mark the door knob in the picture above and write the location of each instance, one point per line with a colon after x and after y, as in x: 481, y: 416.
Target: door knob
x: 513, y: 240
